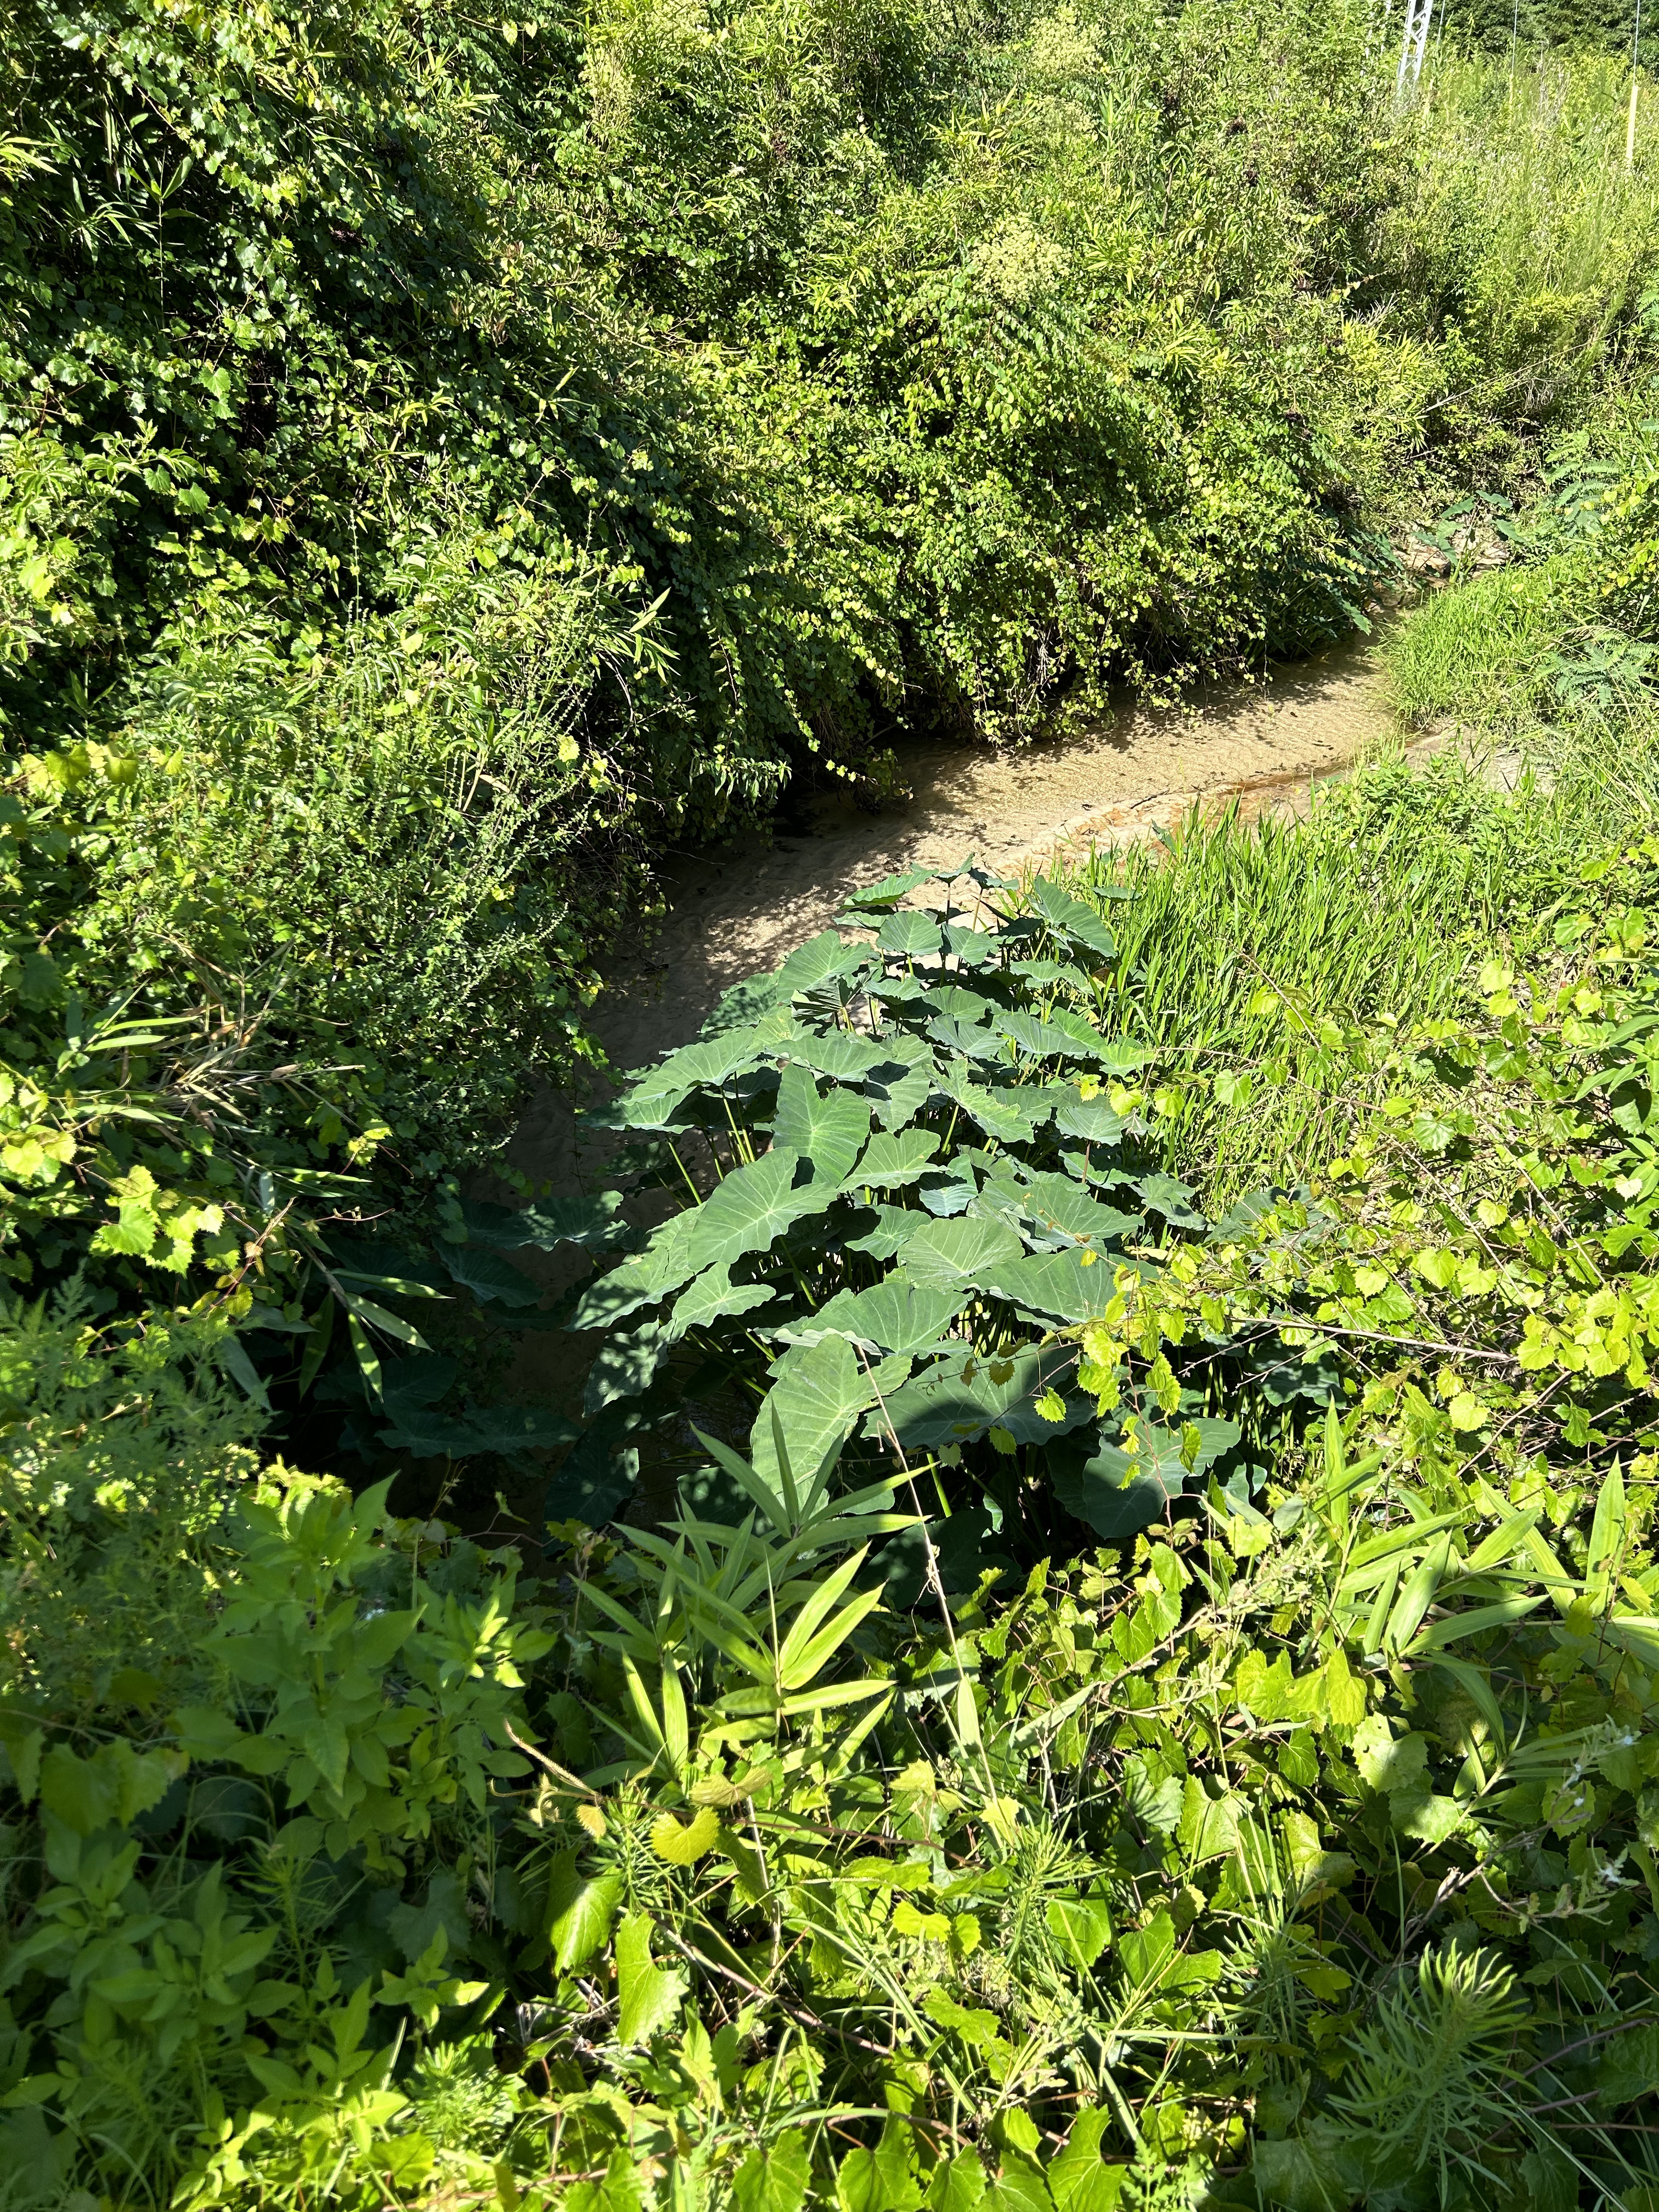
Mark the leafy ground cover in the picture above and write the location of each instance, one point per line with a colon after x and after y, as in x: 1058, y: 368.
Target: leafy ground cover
x: 1095, y: 1643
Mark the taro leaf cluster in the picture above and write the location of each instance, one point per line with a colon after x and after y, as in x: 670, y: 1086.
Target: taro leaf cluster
x: 915, y: 1159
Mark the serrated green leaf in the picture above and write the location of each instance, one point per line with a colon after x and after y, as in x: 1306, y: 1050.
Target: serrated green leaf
x: 648, y: 1997
x: 579, y: 1911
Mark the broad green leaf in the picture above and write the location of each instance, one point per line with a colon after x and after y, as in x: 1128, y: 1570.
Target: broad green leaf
x: 1019, y: 2186
x: 820, y: 1391
x: 593, y: 1223
x: 908, y: 935
x: 889, y: 1161
x: 826, y: 959
x: 964, y: 1396
x: 843, y: 1055
x: 648, y: 1997
x: 487, y: 1275
x: 950, y: 1254
x: 1090, y: 1118
x: 678, y: 1844
x: 755, y: 1203
x: 1059, y: 1207
x: 895, y: 1314
x: 712, y: 1297
x: 1153, y: 1960
x: 1081, y: 1926
x: 900, y: 1082
x: 623, y: 2187
x: 967, y: 1038
x: 1161, y: 1454
x: 890, y: 890
x: 625, y: 1364
x: 958, y: 2184
x: 883, y: 2179
x: 1071, y: 915
x: 1079, y: 2179
x: 971, y: 2022
x: 1045, y: 1040
x: 1113, y: 1510
x: 775, y: 2179
x: 643, y: 1277
x: 1062, y: 1284
x: 828, y: 1133
x: 658, y: 1095
x: 578, y: 1911
x: 506, y: 1429
x: 999, y: 1113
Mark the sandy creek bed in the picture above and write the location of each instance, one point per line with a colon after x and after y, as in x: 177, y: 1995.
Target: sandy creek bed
x: 736, y: 911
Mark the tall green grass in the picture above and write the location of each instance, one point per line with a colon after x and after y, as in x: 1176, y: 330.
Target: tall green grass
x: 1477, y: 654
x: 1259, y: 953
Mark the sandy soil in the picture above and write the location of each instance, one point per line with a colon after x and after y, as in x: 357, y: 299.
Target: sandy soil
x: 738, y: 911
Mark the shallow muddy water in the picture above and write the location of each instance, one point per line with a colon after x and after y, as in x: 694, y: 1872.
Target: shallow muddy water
x: 737, y: 910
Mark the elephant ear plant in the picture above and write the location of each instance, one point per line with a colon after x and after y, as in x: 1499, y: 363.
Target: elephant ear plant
x: 911, y: 1160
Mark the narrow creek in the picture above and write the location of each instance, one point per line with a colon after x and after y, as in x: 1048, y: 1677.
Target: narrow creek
x: 737, y: 910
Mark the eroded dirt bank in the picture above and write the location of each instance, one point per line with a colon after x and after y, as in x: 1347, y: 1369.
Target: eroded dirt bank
x: 739, y: 910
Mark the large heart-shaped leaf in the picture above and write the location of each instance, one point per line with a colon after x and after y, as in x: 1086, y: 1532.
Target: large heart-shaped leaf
x: 755, y: 1203
x: 626, y: 1364
x: 951, y: 1254
x: 829, y: 1133
x: 642, y: 1279
x: 1064, y: 1285
x: 1046, y: 1040
x: 1160, y: 1454
x: 888, y: 893
x: 487, y: 1275
x: 900, y: 1082
x: 591, y: 1223
x: 966, y: 1393
x: 910, y: 936
x: 889, y: 1162
x: 1090, y: 1118
x: 895, y: 1316
x: 655, y: 1100
x: 992, y: 1109
x: 842, y: 1054
x: 1055, y: 1211
x: 505, y: 1429
x: 1070, y: 915
x: 821, y: 1390
x: 713, y: 1295
x: 826, y: 959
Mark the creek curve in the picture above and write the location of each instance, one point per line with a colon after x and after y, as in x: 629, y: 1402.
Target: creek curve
x: 737, y: 910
